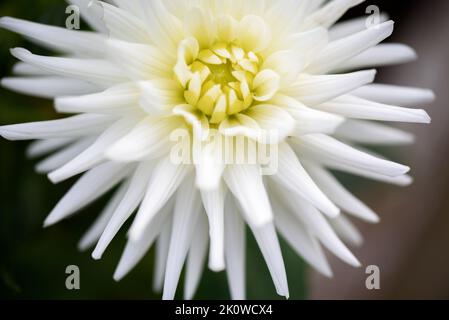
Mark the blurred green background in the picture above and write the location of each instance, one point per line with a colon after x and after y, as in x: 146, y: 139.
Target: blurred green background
x: 32, y: 259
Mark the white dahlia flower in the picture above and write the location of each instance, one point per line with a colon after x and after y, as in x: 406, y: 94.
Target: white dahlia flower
x: 280, y: 75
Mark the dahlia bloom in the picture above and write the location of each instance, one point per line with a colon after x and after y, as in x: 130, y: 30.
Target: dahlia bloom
x: 281, y: 75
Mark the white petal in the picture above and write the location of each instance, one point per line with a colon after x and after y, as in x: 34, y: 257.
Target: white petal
x: 402, y: 181
x: 87, y: 189
x: 379, y: 56
x: 245, y: 182
x: 136, y: 250
x: 235, y: 239
x: 353, y: 107
x: 48, y: 86
x: 273, y: 121
x: 126, y: 207
x: 159, y: 96
x: 76, y: 126
x: 209, y: 166
x: 63, y: 156
x: 314, y: 90
x: 308, y: 120
x: 140, y: 61
x: 347, y: 231
x: 347, y: 27
x: 269, y: 245
x: 166, y: 179
x: 196, y: 259
x: 117, y: 99
x: 330, y: 13
x: 56, y: 38
x: 339, y: 51
x: 395, y: 95
x: 214, y: 201
x: 43, y: 147
x: 317, y: 224
x: 98, y: 71
x: 330, y: 151
x: 299, y: 237
x: 292, y: 175
x: 162, y: 245
x: 125, y: 26
x: 185, y: 218
x: 371, y: 133
x: 25, y: 69
x: 93, y: 155
x: 149, y: 138
x: 95, y: 231
x: 339, y: 195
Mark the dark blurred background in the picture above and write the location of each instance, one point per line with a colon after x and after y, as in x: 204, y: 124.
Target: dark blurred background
x: 409, y: 246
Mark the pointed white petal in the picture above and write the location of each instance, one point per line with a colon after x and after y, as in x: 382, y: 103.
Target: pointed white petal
x: 94, y: 233
x: 62, y: 157
x: 381, y: 55
x: 353, y: 107
x: 87, y: 189
x: 126, y: 207
x: 150, y: 138
x: 136, y: 250
x: 315, y: 90
x: 342, y: 50
x: 213, y: 202
x: 292, y: 175
x: 347, y: 231
x: 395, y: 95
x: 347, y: 27
x: 117, y: 99
x: 77, y: 126
x: 57, y: 38
x: 371, y: 133
x: 196, y: 259
x: 300, y: 239
x: 48, y: 86
x: 332, y: 151
x: 245, y: 182
x: 96, y: 71
x: 341, y: 197
x: 162, y: 245
x: 166, y: 179
x: 25, y: 69
x: 93, y: 155
x: 308, y: 120
x: 317, y: 224
x: 43, y: 147
x: 235, y: 239
x: 185, y: 218
x: 269, y: 245
x: 330, y: 13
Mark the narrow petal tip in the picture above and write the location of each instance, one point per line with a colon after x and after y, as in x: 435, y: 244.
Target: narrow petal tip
x: 96, y: 255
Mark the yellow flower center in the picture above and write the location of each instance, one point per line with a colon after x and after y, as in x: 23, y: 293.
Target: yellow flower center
x: 223, y: 79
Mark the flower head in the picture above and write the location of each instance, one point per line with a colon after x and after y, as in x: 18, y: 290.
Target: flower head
x: 239, y: 76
